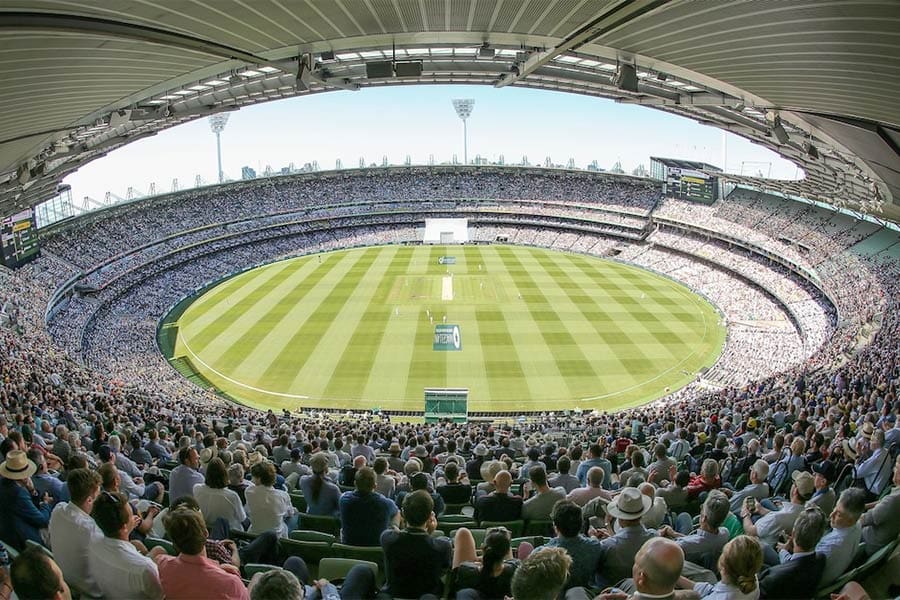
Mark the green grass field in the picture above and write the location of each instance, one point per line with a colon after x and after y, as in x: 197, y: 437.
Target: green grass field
x: 540, y: 330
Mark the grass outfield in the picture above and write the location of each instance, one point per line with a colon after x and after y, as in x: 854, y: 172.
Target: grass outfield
x: 540, y: 330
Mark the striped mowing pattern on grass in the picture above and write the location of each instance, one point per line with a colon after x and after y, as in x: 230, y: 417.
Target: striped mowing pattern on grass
x: 541, y: 330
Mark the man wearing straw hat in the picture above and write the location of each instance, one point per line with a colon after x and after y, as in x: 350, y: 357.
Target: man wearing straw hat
x: 24, y: 514
x: 628, y: 507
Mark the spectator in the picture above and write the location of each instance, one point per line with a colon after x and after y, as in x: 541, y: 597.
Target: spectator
x: 707, y: 480
x: 542, y: 575
x: 322, y: 496
x: 267, y: 508
x: 24, y: 514
x: 661, y: 468
x: 35, y: 576
x: 839, y: 545
x: 543, y: 497
x: 675, y: 494
x: 704, y: 544
x: 595, y: 459
x: 216, y: 501
x: 658, y: 509
x: 800, y: 576
x: 875, y: 471
x: 773, y: 523
x: 586, y: 552
x: 487, y: 577
x: 72, y: 529
x: 620, y: 549
x: 881, y: 524
x: 738, y: 566
x: 594, y: 489
x: 120, y: 569
x: 186, y: 475
x: 757, y: 489
x: 414, y: 560
x: 657, y: 568
x: 451, y: 489
x: 564, y: 479
x: 365, y: 513
x: 191, y: 574
x: 499, y: 505
x: 824, y: 496
x: 44, y: 482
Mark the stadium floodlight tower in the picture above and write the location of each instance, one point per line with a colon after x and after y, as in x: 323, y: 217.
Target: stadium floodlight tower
x: 217, y: 124
x: 463, y: 110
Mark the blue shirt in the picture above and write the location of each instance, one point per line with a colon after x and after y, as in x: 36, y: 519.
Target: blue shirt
x: 21, y: 519
x: 182, y: 480
x: 326, y: 503
x: 604, y: 464
x: 586, y: 553
x: 364, y: 517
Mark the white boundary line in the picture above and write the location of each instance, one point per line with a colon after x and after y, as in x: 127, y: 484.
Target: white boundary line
x: 235, y: 381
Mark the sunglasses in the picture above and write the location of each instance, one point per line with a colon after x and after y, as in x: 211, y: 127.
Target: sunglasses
x: 114, y: 498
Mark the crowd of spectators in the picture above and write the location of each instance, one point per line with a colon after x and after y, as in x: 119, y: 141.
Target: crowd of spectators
x: 788, y: 469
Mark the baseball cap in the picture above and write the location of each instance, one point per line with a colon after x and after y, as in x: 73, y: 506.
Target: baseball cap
x: 826, y: 469
x: 805, y: 482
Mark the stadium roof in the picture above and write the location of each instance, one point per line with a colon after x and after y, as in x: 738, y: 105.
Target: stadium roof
x: 816, y: 81
x: 685, y: 164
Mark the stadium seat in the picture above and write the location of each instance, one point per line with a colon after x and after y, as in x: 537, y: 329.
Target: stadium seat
x: 153, y: 542
x: 298, y: 501
x: 477, y: 534
x: 516, y: 528
x: 539, y: 527
x: 324, y: 523
x: 373, y: 554
x: 252, y: 569
x: 534, y: 540
x: 454, y: 509
x: 337, y: 568
x: 245, y: 536
x: 311, y: 552
x: 307, y: 535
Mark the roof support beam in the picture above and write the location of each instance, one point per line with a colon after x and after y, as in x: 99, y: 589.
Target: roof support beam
x: 617, y: 14
x: 94, y: 25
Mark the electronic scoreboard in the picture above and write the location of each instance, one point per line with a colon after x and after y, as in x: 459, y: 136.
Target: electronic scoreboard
x: 688, y: 184
x: 18, y: 239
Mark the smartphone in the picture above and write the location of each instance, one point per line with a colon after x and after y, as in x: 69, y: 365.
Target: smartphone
x: 751, y: 504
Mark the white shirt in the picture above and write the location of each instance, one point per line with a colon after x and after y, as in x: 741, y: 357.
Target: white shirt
x: 122, y: 572
x: 776, y: 522
x: 220, y: 503
x: 72, y: 531
x: 267, y: 508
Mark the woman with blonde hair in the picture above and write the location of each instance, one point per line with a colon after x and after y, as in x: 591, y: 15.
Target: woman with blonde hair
x: 739, y: 565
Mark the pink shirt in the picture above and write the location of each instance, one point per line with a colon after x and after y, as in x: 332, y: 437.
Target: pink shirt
x: 191, y: 577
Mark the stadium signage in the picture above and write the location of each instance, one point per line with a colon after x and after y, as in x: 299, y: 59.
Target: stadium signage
x: 447, y: 260
x: 447, y: 338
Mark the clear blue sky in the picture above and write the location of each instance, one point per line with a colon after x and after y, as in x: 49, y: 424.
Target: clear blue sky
x: 419, y: 121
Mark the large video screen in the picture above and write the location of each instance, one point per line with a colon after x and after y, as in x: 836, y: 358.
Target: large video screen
x: 19, y: 239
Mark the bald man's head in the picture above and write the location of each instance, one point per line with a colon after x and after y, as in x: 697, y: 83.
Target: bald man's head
x: 502, y: 481
x: 648, y: 490
x: 359, y: 462
x: 657, y: 566
x: 595, y: 477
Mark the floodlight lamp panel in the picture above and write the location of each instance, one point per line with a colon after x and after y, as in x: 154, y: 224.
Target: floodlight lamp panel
x: 463, y: 107
x: 217, y: 122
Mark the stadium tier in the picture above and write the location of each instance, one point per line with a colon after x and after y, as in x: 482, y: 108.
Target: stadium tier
x: 278, y: 324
